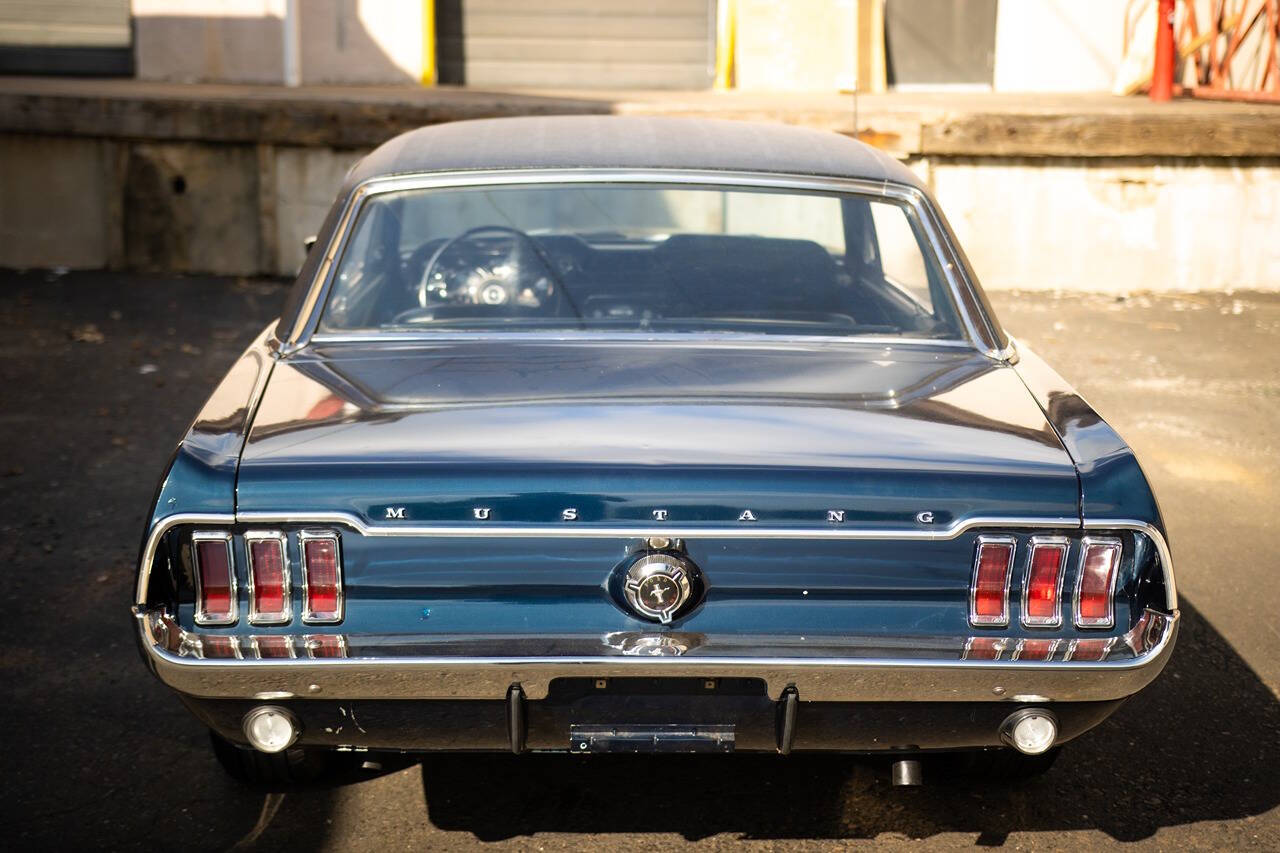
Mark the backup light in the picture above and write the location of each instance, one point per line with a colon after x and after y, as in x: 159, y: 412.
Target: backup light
x: 270, y: 729
x: 1095, y: 586
x: 215, y: 579
x: 1031, y: 731
x: 989, y: 594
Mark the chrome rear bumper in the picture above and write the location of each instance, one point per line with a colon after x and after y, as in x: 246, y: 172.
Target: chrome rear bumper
x: 819, y: 679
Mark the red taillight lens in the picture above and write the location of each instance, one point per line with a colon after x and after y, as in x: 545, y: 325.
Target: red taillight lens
x: 322, y: 571
x: 989, y: 595
x: 1042, y: 591
x: 215, y: 579
x: 326, y: 646
x: 1099, y: 565
x: 269, y: 599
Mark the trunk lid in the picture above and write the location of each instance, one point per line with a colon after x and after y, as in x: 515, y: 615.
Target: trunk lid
x: 616, y: 430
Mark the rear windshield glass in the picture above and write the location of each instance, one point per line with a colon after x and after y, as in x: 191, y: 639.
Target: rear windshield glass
x: 638, y: 258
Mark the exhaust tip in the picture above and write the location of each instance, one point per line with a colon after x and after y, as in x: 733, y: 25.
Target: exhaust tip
x: 270, y: 728
x: 907, y: 773
x: 1031, y: 731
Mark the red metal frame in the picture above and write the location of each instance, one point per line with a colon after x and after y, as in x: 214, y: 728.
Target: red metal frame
x: 1213, y: 48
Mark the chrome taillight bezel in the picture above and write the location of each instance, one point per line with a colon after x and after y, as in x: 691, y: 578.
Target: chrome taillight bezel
x: 256, y: 616
x: 983, y: 621
x: 1038, y: 542
x: 1109, y: 621
x: 310, y: 616
x: 202, y: 616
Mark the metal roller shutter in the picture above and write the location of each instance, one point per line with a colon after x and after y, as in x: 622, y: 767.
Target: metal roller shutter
x: 625, y: 44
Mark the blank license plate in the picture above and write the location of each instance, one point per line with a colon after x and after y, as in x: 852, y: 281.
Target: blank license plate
x: 672, y: 738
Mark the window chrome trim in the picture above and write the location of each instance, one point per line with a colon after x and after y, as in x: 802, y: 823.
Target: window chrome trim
x: 665, y: 338
x: 962, y: 290
x: 201, y: 617
x: 1085, y: 543
x: 282, y: 617
x: 1002, y: 620
x: 309, y: 616
x: 1054, y: 621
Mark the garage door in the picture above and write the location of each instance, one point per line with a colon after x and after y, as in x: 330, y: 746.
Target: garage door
x: 624, y: 44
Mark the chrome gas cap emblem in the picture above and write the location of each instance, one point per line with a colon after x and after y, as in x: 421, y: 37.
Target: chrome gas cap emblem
x: 658, y: 585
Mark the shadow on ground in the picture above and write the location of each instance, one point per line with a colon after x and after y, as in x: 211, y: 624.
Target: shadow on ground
x: 1201, y: 744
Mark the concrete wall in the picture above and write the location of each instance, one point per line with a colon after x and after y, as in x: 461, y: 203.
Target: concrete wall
x: 1058, y: 45
x: 1114, y: 225
x: 55, y: 202
x: 1091, y: 224
x: 801, y: 45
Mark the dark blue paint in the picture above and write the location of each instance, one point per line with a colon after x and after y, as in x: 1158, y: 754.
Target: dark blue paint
x: 615, y: 429
x: 1112, y: 483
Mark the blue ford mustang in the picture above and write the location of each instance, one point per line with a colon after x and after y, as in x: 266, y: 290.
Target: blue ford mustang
x: 617, y: 434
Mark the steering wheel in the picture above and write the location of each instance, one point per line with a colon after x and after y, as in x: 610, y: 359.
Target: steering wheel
x: 518, y: 238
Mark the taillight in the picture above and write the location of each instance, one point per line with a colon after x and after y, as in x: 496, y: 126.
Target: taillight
x: 269, y: 595
x: 321, y: 578
x: 215, y: 579
x: 1095, y: 587
x: 989, y: 595
x: 1042, y: 587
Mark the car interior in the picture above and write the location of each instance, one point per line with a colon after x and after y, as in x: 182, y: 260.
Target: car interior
x: 498, y: 276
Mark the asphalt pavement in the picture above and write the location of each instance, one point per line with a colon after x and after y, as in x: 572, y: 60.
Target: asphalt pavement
x: 102, y: 372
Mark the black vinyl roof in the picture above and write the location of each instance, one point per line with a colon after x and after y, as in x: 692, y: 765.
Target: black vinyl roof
x: 635, y: 142
x: 604, y: 142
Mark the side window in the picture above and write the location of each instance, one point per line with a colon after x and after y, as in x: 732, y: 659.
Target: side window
x: 902, y: 258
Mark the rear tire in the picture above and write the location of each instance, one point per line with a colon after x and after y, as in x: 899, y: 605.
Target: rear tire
x: 294, y: 766
x: 1004, y: 765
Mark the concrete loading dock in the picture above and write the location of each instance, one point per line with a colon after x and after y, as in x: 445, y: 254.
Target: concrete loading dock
x: 1064, y: 192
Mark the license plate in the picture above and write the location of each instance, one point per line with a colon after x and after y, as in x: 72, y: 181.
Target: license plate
x: 670, y: 738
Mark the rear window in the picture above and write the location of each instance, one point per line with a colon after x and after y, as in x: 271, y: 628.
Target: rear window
x: 638, y: 258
